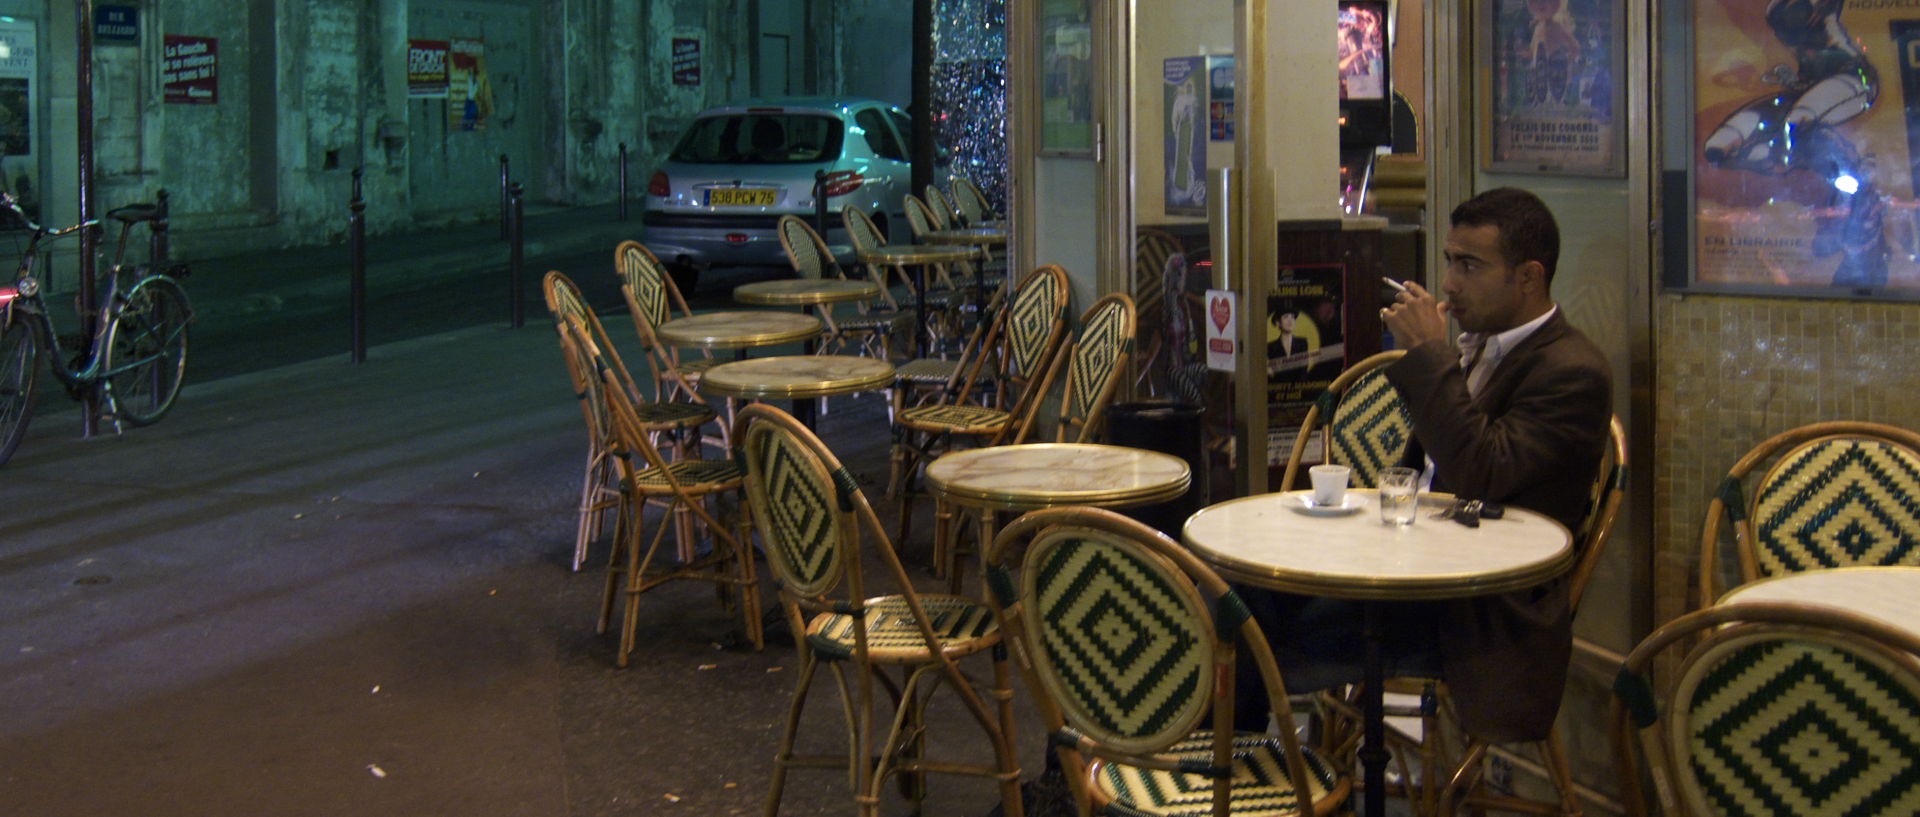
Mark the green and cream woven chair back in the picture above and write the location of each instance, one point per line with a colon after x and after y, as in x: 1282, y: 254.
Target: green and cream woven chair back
x: 969, y: 201
x: 1838, y: 502
x: 920, y: 217
x: 1370, y: 429
x: 797, y: 504
x: 1774, y: 709
x: 861, y: 230
x: 1151, y: 249
x: 1366, y: 423
x: 1125, y: 642
x: 641, y: 273
x: 1835, y: 494
x: 940, y: 206
x: 564, y: 299
x: 1035, y: 319
x: 1093, y: 371
x: 805, y: 249
x: 1799, y: 723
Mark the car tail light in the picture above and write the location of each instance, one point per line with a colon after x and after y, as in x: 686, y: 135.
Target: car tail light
x: 737, y: 238
x: 842, y: 182
x: 657, y: 186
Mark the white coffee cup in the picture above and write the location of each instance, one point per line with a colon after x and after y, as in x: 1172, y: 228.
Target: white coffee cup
x: 1329, y: 484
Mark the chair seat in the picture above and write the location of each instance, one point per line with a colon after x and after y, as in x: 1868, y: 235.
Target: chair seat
x: 1261, y: 787
x: 697, y: 476
x: 672, y: 414
x: 926, y: 371
x: 955, y: 419
x: 963, y: 627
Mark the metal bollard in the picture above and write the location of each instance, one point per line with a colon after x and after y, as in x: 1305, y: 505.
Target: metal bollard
x: 623, y: 181
x: 503, y: 196
x: 357, y: 290
x: 515, y: 260
x: 157, y: 234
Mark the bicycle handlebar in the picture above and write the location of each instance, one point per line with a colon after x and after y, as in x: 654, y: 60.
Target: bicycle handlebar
x: 8, y: 201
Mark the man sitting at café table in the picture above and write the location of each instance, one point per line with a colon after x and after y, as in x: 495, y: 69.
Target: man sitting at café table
x: 1517, y: 415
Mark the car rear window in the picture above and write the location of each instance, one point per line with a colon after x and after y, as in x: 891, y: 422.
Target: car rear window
x: 760, y: 138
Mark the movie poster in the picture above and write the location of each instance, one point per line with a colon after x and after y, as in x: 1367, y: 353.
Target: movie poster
x: 1184, y: 124
x: 1805, y: 124
x: 1556, y: 85
x: 469, y: 96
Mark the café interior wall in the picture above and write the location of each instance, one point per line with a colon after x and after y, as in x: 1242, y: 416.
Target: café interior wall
x: 1163, y: 31
x: 1733, y: 371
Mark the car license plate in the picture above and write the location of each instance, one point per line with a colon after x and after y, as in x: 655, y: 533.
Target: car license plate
x: 739, y: 197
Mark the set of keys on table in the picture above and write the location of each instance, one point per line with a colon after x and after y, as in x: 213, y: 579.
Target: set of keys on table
x: 1469, y: 512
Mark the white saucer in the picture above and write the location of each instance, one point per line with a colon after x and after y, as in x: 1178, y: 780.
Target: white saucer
x: 1303, y: 503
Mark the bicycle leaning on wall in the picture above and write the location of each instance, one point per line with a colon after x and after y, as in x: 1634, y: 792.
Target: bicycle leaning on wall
x: 138, y: 350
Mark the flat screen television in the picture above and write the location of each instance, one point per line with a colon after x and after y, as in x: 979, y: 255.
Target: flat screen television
x: 1366, y: 83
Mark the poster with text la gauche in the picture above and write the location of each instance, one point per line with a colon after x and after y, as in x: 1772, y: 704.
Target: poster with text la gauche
x: 1806, y: 119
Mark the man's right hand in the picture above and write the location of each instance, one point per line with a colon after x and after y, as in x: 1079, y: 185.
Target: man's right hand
x: 1415, y: 317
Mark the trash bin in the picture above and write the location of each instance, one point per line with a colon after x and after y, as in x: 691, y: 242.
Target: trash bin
x: 1169, y: 428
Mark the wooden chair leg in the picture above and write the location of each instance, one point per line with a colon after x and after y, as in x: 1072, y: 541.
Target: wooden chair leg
x: 784, y: 755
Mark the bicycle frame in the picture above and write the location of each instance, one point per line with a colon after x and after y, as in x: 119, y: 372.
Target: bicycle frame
x: 24, y: 300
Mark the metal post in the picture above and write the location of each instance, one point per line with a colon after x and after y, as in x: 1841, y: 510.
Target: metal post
x: 503, y: 196
x: 157, y: 234
x: 515, y: 259
x: 357, y: 252
x: 623, y: 181
x: 89, y: 239
x: 820, y: 202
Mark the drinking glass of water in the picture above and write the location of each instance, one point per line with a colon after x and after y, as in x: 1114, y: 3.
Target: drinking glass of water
x: 1399, y: 495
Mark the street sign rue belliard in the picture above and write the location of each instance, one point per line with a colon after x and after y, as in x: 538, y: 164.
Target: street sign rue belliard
x: 116, y: 25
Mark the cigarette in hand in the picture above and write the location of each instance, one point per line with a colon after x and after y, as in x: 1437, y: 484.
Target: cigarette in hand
x: 1397, y: 286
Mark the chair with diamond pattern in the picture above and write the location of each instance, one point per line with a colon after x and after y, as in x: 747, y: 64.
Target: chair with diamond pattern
x: 1007, y: 362
x: 813, y: 519
x: 653, y: 299
x: 1151, y: 249
x: 680, y: 488
x: 1128, y: 642
x: 670, y: 418
x: 1773, y: 709
x: 871, y: 328
x: 1836, y: 494
x: 1367, y: 423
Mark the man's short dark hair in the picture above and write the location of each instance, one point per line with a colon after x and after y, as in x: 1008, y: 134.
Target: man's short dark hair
x: 1527, y: 229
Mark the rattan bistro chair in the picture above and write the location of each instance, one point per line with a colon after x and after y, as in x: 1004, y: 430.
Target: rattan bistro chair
x: 1095, y: 364
x: 1010, y: 360
x: 1128, y: 643
x: 811, y: 515
x: 1774, y: 709
x: 681, y: 489
x: 653, y: 299
x: 865, y: 235
x: 671, y: 418
x: 1837, y: 494
x: 971, y: 202
x: 1151, y: 249
x: 872, y: 329
x: 1367, y: 423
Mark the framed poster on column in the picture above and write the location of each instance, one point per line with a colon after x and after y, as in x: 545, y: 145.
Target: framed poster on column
x: 1306, y: 346
x: 1553, y: 87
x: 1806, y: 130
x: 1066, y: 79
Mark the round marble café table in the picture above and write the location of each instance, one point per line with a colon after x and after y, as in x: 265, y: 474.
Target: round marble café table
x: 739, y: 329
x: 1030, y: 476
x: 799, y: 378
x: 1275, y: 541
x: 919, y: 257
x: 1890, y: 595
x: 804, y: 291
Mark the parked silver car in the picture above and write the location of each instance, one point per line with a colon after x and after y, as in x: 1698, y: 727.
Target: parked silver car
x: 740, y: 167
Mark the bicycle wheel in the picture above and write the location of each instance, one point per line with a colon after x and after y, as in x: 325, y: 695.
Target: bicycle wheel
x: 147, y: 351
x: 17, y: 371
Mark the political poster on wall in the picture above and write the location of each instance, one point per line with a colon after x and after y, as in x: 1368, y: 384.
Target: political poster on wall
x: 469, y: 95
x: 1806, y: 123
x: 427, y: 69
x: 1184, y: 123
x: 190, y: 70
x: 1556, y: 68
